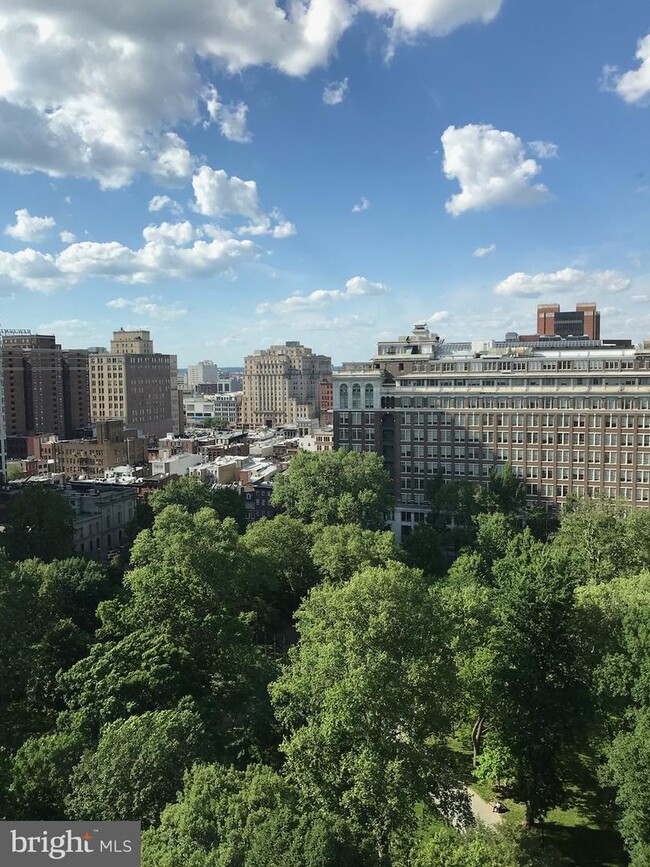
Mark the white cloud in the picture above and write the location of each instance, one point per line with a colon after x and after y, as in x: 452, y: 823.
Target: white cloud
x: 95, y: 89
x: 639, y: 298
x: 160, y: 202
x: 438, y: 316
x: 491, y: 167
x: 632, y: 86
x: 176, y: 234
x: 355, y: 287
x: 67, y: 237
x: 217, y: 195
x: 66, y: 328
x: 335, y: 92
x: 362, y: 205
x: 544, y: 150
x: 44, y: 272
x: 433, y: 16
x: 480, y: 252
x: 231, y: 119
x: 28, y: 228
x: 149, y: 306
x: 567, y: 280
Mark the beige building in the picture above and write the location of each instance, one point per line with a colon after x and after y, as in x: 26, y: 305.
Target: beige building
x: 135, y: 384
x: 281, y: 385
x: 572, y: 417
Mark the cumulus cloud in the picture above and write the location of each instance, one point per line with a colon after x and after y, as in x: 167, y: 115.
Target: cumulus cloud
x: 567, y: 280
x: 45, y: 272
x: 66, y: 328
x: 217, y: 195
x: 160, y: 202
x: 491, y: 167
x: 67, y: 237
x: 362, y: 205
x: 95, y: 89
x: 544, y: 150
x: 149, y: 306
x: 231, y: 119
x: 28, y: 228
x: 176, y: 234
x: 355, y: 287
x: 438, y: 316
x: 632, y: 86
x: 480, y: 252
x: 335, y: 92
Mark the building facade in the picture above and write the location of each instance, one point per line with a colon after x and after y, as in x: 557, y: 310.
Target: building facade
x: 101, y: 517
x: 46, y: 389
x: 570, y: 417
x: 280, y: 385
x: 583, y: 322
x: 226, y: 407
x: 135, y: 384
x: 204, y: 371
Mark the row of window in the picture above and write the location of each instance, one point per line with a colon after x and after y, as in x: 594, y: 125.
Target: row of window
x: 368, y: 396
x: 508, y: 402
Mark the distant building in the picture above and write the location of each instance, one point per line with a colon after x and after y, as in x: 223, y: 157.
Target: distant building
x: 226, y: 407
x: 281, y: 385
x: 46, y: 388
x: 101, y: 517
x: 325, y: 399
x: 135, y: 384
x: 583, y: 322
x: 204, y: 371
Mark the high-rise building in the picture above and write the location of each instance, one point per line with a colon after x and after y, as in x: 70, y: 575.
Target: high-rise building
x: 280, y: 385
x: 46, y: 389
x: 135, y: 384
x: 204, y: 371
x: 572, y: 417
x: 583, y: 322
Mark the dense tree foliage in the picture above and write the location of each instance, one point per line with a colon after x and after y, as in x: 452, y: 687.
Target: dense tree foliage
x: 336, y: 488
x: 193, y: 494
x: 38, y: 524
x: 341, y: 550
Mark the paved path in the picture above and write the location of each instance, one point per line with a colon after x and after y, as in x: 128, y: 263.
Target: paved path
x: 482, y: 810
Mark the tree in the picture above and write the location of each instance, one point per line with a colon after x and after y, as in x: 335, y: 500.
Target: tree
x: 366, y: 700
x: 251, y: 818
x: 423, y: 550
x: 540, y: 697
x: 138, y: 766
x: 40, y: 775
x: 505, y: 492
x: 341, y: 550
x: 38, y: 524
x: 500, y: 847
x: 335, y: 487
x: 193, y: 494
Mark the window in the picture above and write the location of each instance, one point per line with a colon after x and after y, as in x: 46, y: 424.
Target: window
x: 356, y: 396
x: 343, y: 397
x: 369, y: 400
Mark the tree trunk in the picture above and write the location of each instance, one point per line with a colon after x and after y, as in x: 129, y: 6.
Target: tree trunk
x: 530, y: 816
x: 477, y: 737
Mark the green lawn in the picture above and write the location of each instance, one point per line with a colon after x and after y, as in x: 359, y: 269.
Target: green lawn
x: 584, y: 831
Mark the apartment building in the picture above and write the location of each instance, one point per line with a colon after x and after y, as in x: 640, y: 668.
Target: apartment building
x: 280, y: 385
x: 204, y: 371
x: 135, y: 384
x: 571, y: 416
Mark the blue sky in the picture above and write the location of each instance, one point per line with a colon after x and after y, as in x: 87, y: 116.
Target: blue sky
x: 243, y: 172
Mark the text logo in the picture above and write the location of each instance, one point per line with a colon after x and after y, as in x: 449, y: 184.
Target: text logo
x: 34, y: 844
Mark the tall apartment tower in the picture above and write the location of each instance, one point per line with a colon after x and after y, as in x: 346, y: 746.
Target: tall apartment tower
x: 135, y: 384
x: 584, y: 322
x: 204, y: 371
x: 281, y: 385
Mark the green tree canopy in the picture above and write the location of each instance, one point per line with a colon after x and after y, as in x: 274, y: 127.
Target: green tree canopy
x: 38, y: 524
x: 193, y: 494
x: 367, y: 699
x: 335, y: 487
x: 341, y: 550
x: 138, y: 766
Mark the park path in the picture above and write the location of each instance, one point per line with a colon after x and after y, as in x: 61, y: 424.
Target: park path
x: 482, y: 810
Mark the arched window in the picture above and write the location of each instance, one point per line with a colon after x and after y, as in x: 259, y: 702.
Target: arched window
x: 343, y: 396
x: 356, y: 396
x: 369, y: 397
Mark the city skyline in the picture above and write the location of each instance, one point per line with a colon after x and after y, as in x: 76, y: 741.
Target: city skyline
x: 367, y: 164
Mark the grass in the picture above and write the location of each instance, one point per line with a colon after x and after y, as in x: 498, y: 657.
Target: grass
x: 584, y: 831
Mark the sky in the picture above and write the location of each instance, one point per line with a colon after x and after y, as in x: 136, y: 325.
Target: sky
x: 235, y: 173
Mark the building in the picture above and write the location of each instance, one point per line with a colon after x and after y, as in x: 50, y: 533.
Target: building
x: 583, y: 322
x: 46, y: 388
x: 135, y: 384
x: 572, y: 417
x: 101, y: 517
x: 176, y: 465
x: 225, y: 407
x: 204, y: 371
x: 281, y: 385
x: 325, y: 399
x: 111, y: 446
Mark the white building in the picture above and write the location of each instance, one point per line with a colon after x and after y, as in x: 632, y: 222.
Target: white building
x: 204, y: 371
x: 226, y: 407
x: 176, y: 465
